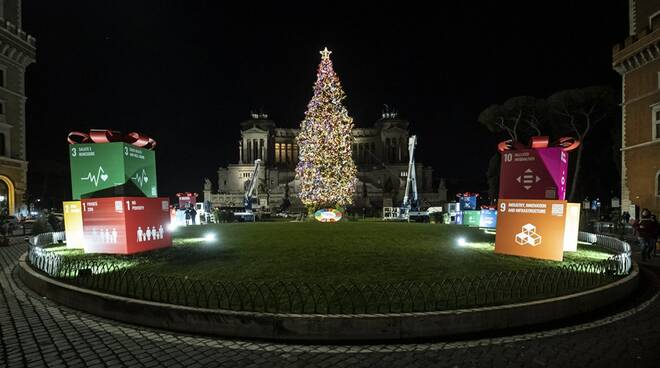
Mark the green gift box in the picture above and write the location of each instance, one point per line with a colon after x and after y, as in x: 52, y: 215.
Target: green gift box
x: 112, y: 169
x: 471, y: 218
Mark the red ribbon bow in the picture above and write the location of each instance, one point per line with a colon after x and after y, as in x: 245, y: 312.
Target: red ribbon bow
x: 107, y: 136
x: 566, y: 143
x: 467, y: 194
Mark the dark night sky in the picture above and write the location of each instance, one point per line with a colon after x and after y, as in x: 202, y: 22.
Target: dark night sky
x: 187, y: 72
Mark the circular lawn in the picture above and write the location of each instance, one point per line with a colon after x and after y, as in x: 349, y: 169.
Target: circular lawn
x: 328, y: 253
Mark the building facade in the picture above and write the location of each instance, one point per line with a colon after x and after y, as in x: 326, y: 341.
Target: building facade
x: 637, y: 60
x: 380, y: 154
x: 17, y: 51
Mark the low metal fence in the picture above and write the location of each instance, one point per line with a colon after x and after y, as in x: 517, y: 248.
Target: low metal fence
x: 44, y: 239
x: 348, y: 298
x: 621, y: 249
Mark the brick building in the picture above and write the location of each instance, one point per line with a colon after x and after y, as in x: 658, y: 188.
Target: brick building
x: 638, y: 62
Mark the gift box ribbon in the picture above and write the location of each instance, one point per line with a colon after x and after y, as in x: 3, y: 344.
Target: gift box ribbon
x: 536, y: 142
x: 107, y: 136
x: 467, y: 194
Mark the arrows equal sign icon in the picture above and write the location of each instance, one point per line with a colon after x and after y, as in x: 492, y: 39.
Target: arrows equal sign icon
x: 528, y: 178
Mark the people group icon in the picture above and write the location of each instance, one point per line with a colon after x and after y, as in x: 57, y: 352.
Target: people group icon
x: 104, y: 235
x: 150, y: 233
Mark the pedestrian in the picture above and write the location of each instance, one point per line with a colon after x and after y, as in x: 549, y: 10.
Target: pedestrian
x: 647, y: 232
x: 193, y: 214
x: 187, y: 212
x: 626, y: 217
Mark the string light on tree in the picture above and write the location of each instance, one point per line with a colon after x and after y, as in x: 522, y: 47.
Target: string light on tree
x: 326, y: 169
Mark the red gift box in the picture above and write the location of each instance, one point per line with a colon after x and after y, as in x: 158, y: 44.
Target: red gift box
x: 125, y: 225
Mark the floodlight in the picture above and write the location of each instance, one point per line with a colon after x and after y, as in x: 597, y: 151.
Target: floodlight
x: 209, y: 237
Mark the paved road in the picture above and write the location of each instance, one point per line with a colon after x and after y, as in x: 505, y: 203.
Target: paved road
x: 36, y: 332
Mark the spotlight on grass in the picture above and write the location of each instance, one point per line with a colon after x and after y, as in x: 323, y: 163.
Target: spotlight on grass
x: 209, y: 237
x: 172, y: 227
x: 461, y: 241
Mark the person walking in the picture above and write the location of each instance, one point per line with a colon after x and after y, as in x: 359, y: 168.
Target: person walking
x: 187, y: 212
x: 193, y: 214
x: 647, y: 232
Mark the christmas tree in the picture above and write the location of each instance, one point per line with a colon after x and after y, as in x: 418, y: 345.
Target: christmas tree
x: 326, y: 169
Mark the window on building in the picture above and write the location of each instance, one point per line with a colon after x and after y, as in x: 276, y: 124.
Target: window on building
x: 2, y: 107
x: 2, y: 76
x: 657, y: 184
x: 3, y: 146
x: 654, y: 20
x: 656, y: 122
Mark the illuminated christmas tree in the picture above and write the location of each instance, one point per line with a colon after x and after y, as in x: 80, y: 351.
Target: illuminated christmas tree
x: 326, y: 169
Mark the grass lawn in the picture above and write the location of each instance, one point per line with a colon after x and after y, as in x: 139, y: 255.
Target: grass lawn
x: 361, y: 252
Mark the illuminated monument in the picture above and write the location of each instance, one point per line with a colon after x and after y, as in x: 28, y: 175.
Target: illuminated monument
x: 380, y: 153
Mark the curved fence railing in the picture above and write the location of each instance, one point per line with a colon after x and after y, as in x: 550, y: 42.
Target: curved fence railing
x: 348, y: 298
x: 620, y: 248
x: 44, y: 239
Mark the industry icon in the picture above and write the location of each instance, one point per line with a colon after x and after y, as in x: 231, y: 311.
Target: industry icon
x: 528, y: 236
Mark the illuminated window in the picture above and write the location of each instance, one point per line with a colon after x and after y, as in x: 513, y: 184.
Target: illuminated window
x: 277, y: 152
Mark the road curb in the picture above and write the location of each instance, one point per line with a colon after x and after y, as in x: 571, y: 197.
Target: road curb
x: 326, y: 328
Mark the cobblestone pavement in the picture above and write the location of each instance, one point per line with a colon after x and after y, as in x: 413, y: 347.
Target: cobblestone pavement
x: 36, y: 332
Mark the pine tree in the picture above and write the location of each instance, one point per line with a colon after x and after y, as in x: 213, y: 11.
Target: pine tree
x: 326, y: 169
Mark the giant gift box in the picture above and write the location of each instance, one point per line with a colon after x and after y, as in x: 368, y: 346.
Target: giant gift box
x: 488, y: 218
x: 468, y: 202
x: 531, y: 228
x: 112, y: 169
x: 471, y: 218
x: 73, y: 226
x: 535, y: 172
x: 125, y: 225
